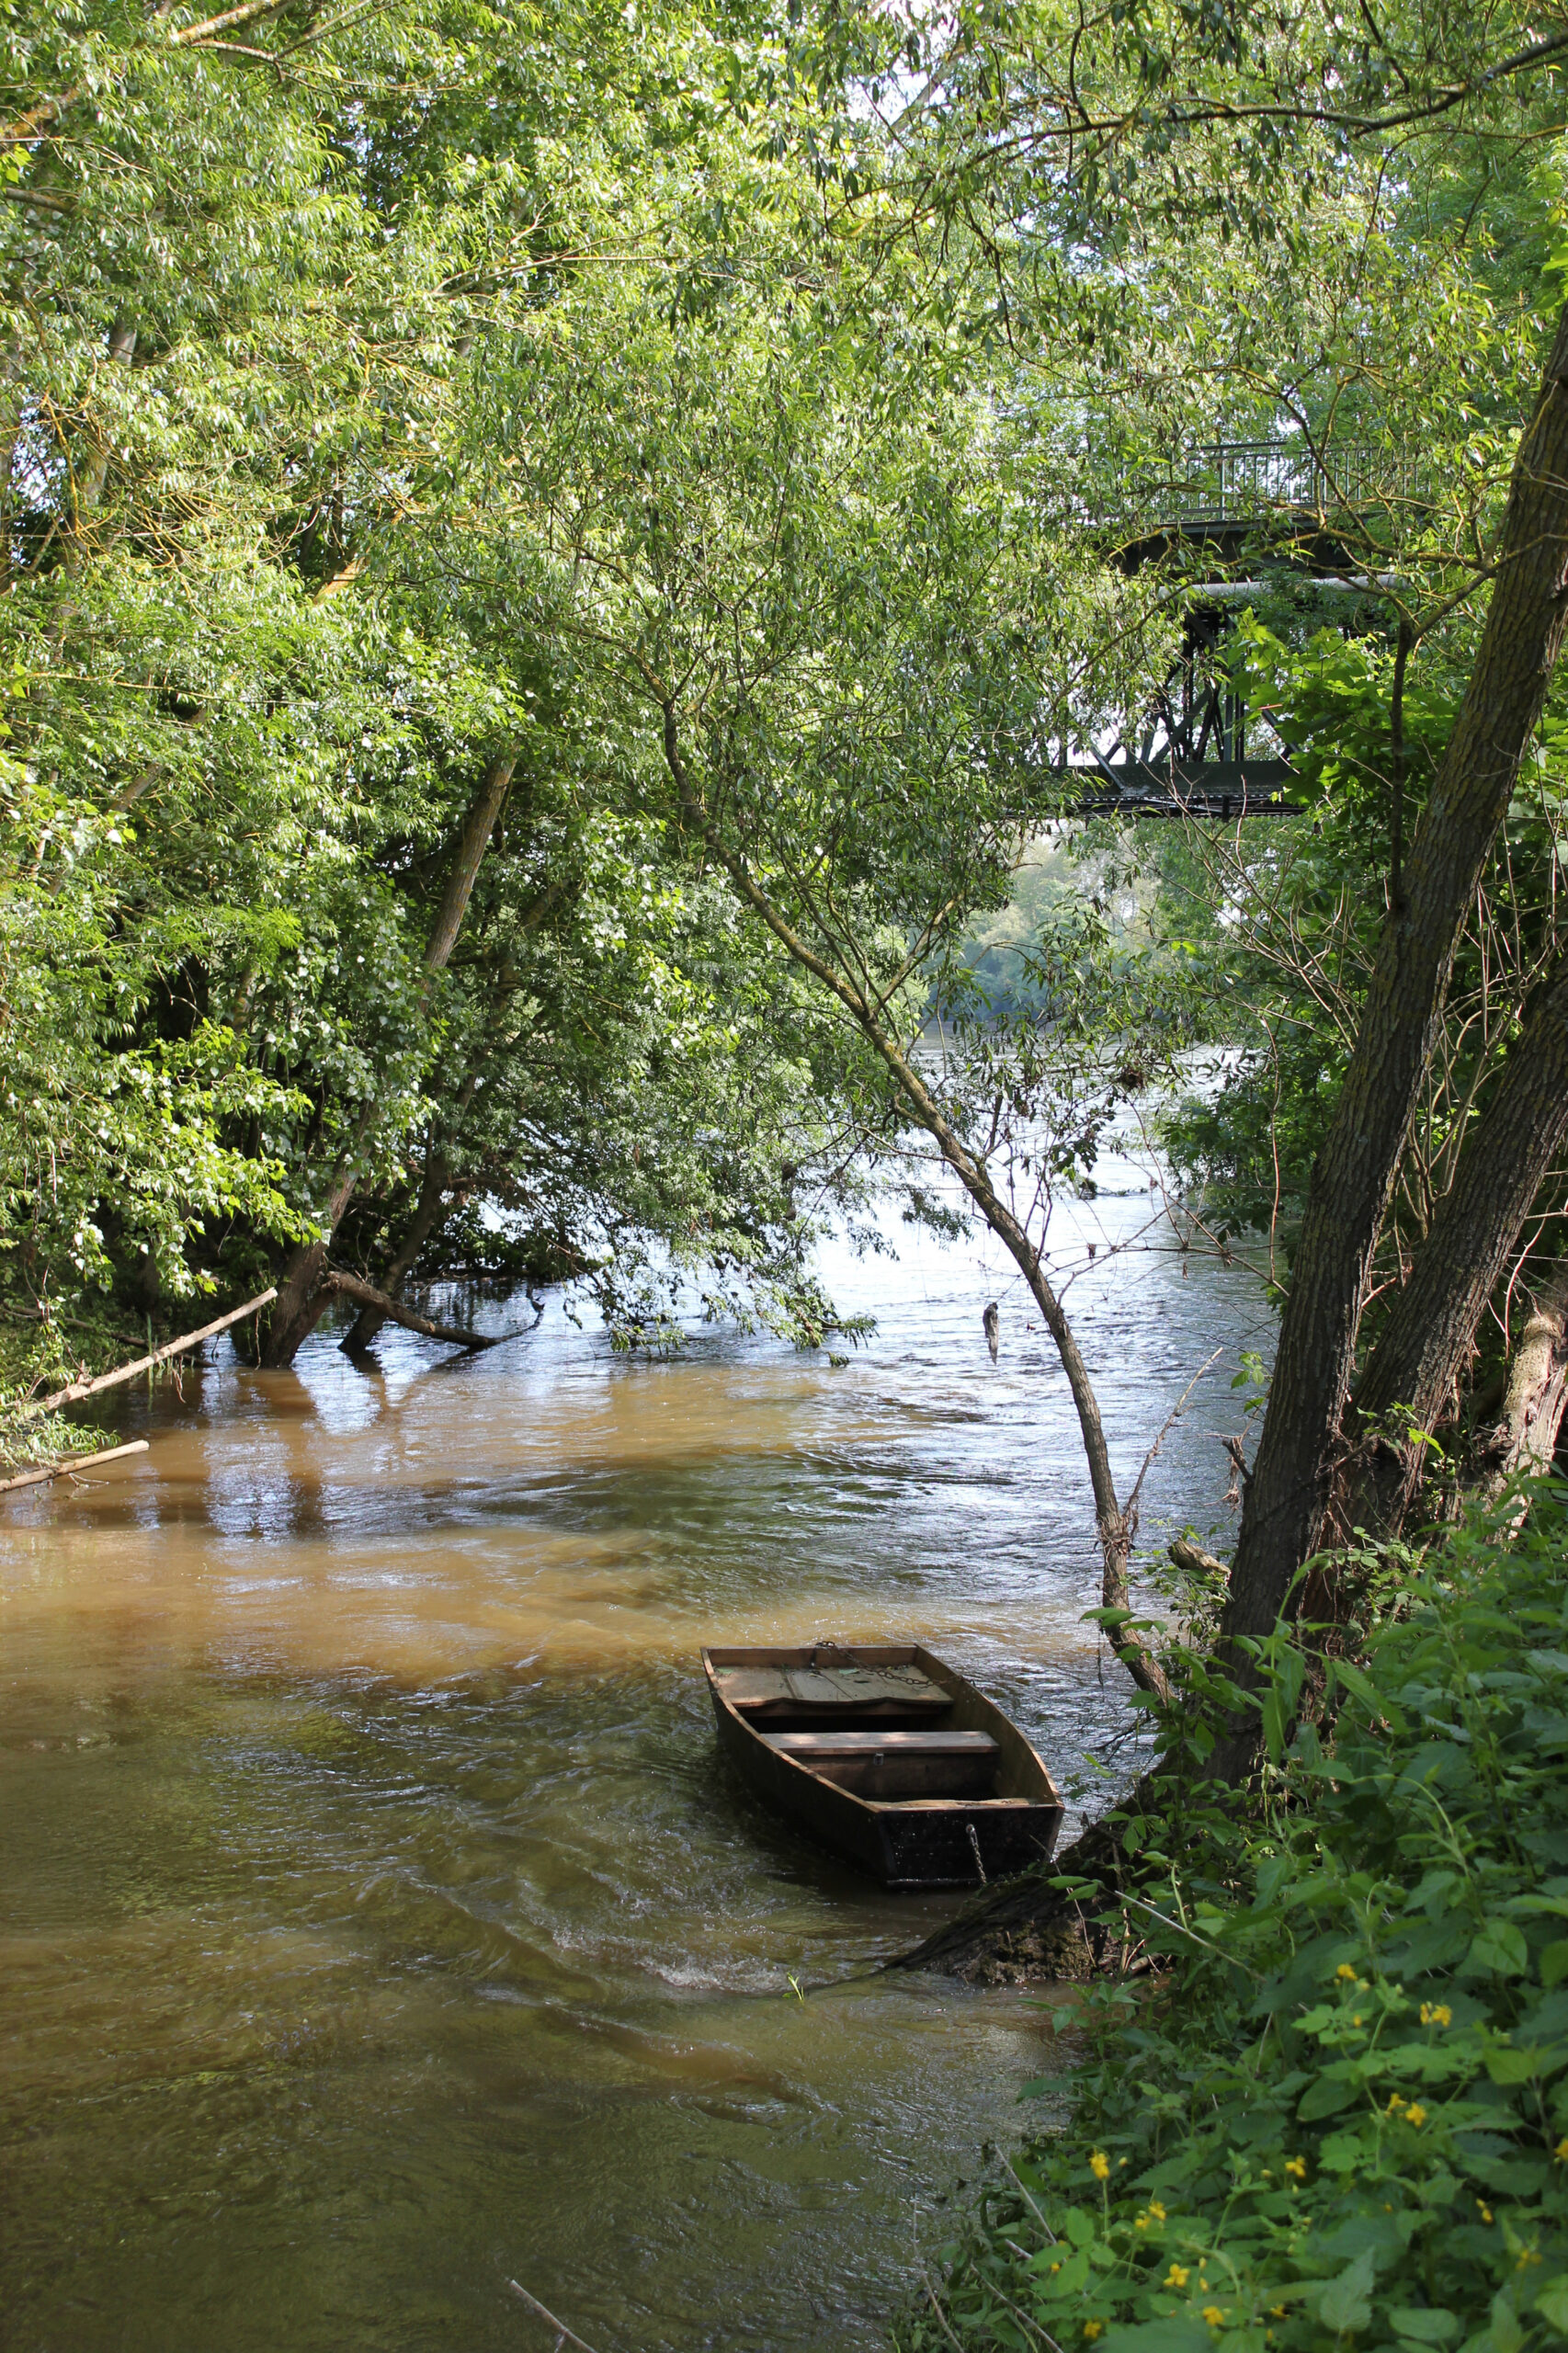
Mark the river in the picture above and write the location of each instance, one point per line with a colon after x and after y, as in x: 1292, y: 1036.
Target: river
x: 378, y: 1924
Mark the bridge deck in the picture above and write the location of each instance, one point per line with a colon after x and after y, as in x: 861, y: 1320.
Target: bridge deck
x: 1223, y: 788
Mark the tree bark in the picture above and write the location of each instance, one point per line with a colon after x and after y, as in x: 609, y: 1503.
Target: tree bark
x: 336, y: 1285
x: 432, y: 1192
x: 77, y: 1389
x: 121, y: 352
x: 467, y: 859
x: 1526, y: 1439
x: 1423, y: 1347
x: 302, y: 1299
x: 1286, y: 1497
x: 300, y: 1302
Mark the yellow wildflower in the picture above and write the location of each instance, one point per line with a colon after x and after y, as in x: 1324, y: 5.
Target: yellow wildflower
x: 1214, y: 2317
x: 1415, y: 2114
x: 1483, y: 2210
x: 1396, y: 2105
x: 1275, y: 2312
x: 1359, y: 2018
x: 1296, y: 2167
x: 1435, y: 2014
x: 1157, y: 2212
x: 1099, y: 2166
x: 1561, y: 2151
x: 1529, y: 2255
x: 1346, y: 1972
x: 1093, y: 2328
x: 1177, y: 2276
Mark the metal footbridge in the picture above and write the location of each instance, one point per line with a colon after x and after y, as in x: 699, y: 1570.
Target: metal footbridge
x: 1300, y: 512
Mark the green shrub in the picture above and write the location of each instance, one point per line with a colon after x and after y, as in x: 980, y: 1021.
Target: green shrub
x: 1342, y: 2116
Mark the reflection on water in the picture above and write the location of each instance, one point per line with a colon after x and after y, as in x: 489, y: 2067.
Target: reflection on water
x: 378, y: 1924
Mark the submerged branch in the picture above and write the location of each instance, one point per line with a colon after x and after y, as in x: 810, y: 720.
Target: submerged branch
x: 70, y: 1463
x: 351, y: 1287
x: 80, y: 1389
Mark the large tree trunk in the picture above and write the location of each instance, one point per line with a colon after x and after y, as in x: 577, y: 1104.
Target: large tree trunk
x: 301, y: 1302
x: 467, y: 859
x: 1354, y: 1177
x: 432, y: 1195
x: 1422, y: 1352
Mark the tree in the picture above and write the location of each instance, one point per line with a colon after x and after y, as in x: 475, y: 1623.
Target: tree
x: 1288, y: 1493
x: 259, y: 756
x: 1084, y: 163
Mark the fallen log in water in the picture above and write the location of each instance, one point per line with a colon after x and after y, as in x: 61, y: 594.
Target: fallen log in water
x: 80, y: 1389
x: 564, y: 2335
x: 351, y: 1287
x: 72, y: 1462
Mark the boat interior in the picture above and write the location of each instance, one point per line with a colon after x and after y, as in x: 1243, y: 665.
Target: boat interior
x: 885, y: 1732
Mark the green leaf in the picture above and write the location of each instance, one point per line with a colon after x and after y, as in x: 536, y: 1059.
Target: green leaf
x: 1554, y: 1963
x: 1347, y: 2303
x: 1327, y: 2098
x: 1551, y: 2303
x: 1506, y: 2065
x: 1071, y: 2280
x: 1361, y: 1687
x: 1172, y: 2336
x: 1499, y: 1950
x: 1424, y: 2326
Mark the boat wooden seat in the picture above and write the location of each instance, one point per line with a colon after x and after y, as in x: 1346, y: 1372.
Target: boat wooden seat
x: 891, y: 1765
x: 832, y: 1690
x: 889, y: 1744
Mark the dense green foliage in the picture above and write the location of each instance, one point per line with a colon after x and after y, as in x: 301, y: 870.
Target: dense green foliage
x: 1343, y: 2112
x: 1283, y: 927
x: 388, y: 392
x: 256, y: 327
x: 755, y: 434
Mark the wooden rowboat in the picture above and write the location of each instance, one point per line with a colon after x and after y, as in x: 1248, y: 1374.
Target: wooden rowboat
x: 888, y: 1757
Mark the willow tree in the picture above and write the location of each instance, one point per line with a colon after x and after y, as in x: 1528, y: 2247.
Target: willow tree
x: 284, y: 806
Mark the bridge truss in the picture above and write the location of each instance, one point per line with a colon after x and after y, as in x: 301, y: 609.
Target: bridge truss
x: 1190, y: 755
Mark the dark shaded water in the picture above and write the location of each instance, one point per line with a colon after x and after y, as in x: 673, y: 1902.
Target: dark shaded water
x: 377, y: 1922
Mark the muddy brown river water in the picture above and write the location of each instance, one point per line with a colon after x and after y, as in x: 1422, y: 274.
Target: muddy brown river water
x: 378, y: 1924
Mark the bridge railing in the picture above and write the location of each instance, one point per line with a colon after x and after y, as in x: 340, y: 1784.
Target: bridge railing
x: 1228, y: 481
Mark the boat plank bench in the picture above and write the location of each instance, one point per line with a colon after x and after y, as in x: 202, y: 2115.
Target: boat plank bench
x: 893, y: 1744
x: 832, y: 1691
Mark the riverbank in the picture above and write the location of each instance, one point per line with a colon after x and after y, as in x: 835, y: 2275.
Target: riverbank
x: 1341, y: 2112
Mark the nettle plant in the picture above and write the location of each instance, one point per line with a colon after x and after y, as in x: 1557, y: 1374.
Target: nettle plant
x: 1342, y: 2117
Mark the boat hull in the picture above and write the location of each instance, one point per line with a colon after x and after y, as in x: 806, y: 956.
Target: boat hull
x: 926, y: 1842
